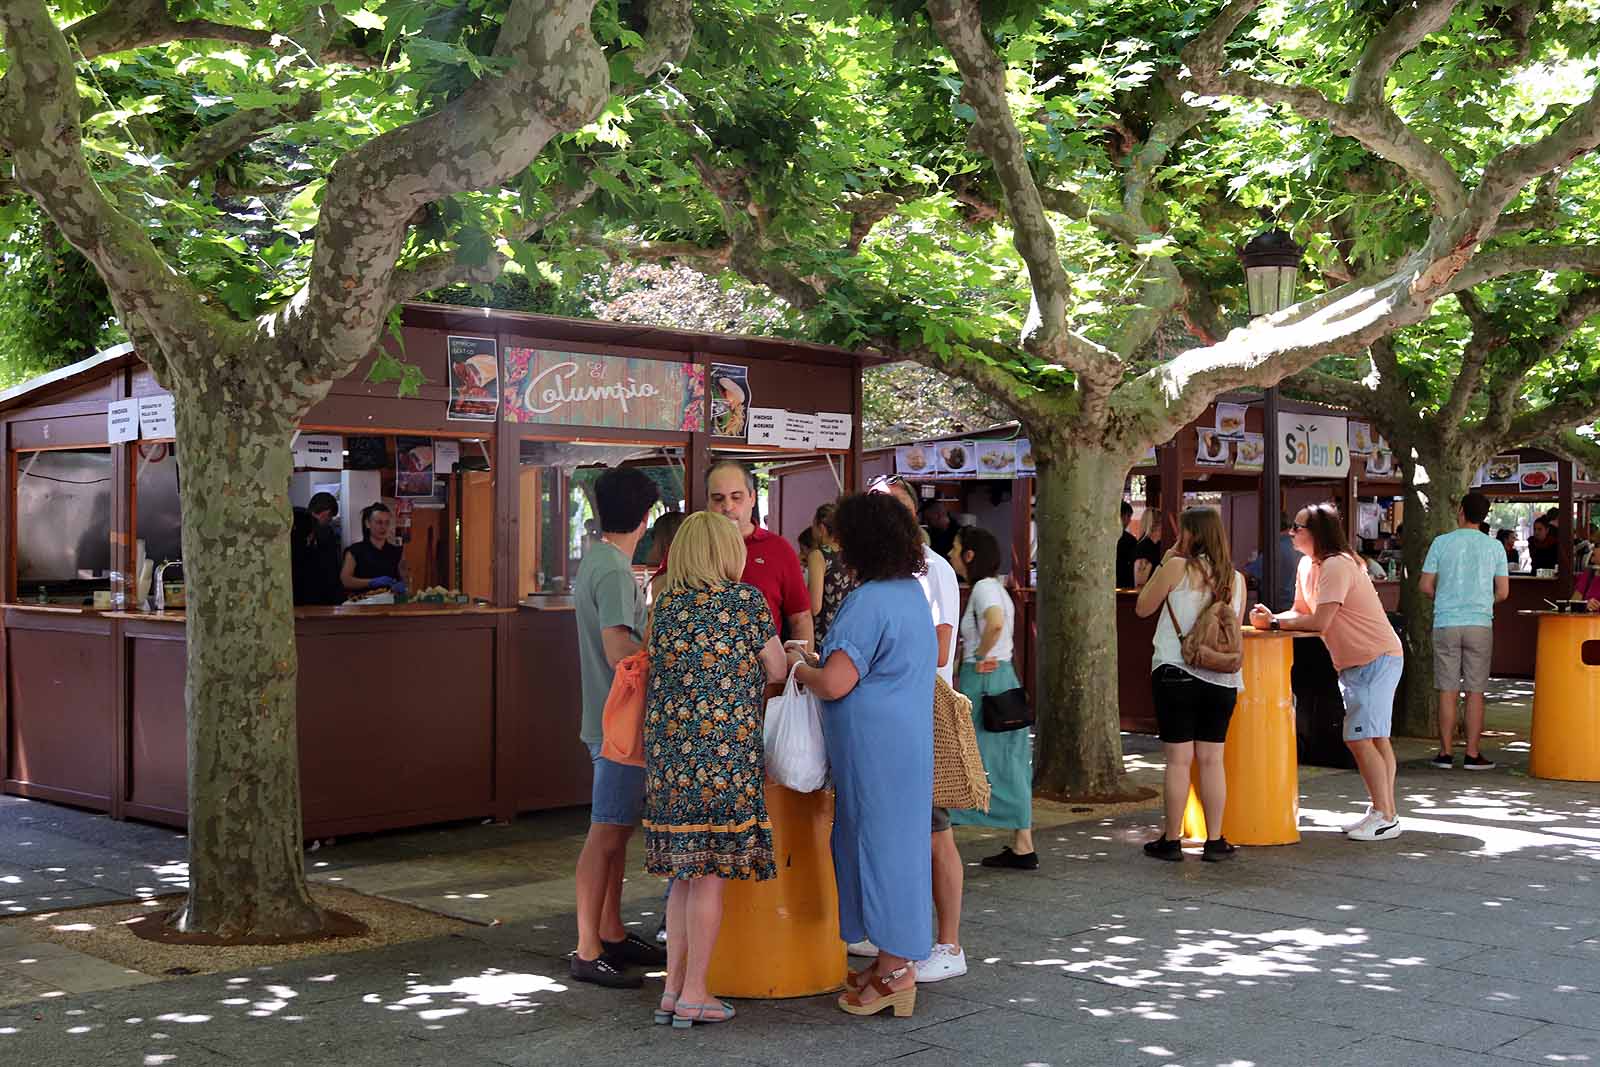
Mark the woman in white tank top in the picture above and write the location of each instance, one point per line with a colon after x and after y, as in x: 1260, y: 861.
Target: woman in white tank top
x: 1193, y: 705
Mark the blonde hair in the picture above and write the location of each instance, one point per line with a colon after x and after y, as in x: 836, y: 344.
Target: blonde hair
x: 1150, y: 524
x: 708, y: 552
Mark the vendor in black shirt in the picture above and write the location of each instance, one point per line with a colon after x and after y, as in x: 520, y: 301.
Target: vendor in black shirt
x: 374, y: 563
x: 1127, y: 550
x: 1544, y: 547
x: 314, y: 553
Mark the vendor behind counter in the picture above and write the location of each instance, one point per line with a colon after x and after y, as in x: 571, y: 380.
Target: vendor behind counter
x: 374, y: 562
x: 314, y: 556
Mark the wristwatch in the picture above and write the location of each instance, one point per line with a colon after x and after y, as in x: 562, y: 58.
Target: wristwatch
x: 1275, y: 625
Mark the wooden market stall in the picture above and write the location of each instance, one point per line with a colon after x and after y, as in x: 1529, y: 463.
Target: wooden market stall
x: 408, y: 714
x: 1217, y: 459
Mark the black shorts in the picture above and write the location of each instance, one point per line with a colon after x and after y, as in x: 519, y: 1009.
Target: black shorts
x: 1188, y: 709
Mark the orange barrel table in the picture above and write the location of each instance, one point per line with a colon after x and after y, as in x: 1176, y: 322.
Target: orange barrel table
x: 1566, y: 698
x: 1260, y: 758
x: 780, y: 938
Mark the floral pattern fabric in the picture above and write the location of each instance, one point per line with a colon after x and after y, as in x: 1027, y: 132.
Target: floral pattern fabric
x: 837, y: 583
x: 705, y: 769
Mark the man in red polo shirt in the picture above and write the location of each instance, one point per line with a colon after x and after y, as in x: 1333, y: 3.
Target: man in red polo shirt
x: 771, y: 564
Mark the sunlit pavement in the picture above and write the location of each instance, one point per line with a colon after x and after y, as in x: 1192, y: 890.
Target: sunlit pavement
x: 1474, y: 939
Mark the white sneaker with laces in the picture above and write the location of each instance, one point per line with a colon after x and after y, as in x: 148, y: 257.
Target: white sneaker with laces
x: 863, y: 948
x: 1366, y: 817
x: 947, y: 961
x: 1380, y: 829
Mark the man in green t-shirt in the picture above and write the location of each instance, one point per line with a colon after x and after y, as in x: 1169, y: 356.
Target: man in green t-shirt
x: 1466, y: 575
x: 610, y: 614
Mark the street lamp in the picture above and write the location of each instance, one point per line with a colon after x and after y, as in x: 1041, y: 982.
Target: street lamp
x: 1271, y: 267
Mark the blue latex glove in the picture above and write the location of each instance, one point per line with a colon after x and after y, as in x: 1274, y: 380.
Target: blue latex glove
x: 381, y: 583
x: 398, y: 588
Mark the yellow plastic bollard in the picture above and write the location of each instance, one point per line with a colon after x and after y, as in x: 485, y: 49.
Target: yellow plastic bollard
x: 1259, y: 759
x: 780, y: 938
x: 1566, y: 701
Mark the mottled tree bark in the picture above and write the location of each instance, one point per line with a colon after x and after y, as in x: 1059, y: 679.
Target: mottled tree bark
x: 1079, y: 745
x: 246, y: 864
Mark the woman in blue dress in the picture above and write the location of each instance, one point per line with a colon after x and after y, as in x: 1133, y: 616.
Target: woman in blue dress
x: 875, y: 675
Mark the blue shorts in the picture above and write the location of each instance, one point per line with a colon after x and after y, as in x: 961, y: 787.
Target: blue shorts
x: 1368, y: 692
x: 618, y: 797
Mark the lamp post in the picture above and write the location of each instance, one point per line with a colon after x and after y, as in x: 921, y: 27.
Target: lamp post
x: 1271, y: 268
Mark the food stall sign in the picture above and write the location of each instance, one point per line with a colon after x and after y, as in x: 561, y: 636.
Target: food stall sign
x: 156, y: 418
x: 122, y: 421
x: 799, y: 429
x: 767, y: 426
x: 1316, y: 446
x: 586, y: 389
x: 319, y: 451
x: 833, y: 430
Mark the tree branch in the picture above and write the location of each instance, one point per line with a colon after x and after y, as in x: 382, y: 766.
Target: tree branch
x: 1511, y: 171
x: 1573, y: 446
x: 1486, y: 338
x: 239, y: 130
x: 445, y: 268
x: 1028, y: 403
x: 132, y: 24
x: 1365, y: 116
x: 41, y: 127
x: 1414, y: 21
x: 959, y: 24
x: 1497, y: 264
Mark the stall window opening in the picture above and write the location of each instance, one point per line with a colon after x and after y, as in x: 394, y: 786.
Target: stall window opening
x: 63, y: 525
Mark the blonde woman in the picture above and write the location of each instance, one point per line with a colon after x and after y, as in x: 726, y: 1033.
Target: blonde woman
x: 1193, y: 705
x: 1147, y: 550
x: 705, y: 812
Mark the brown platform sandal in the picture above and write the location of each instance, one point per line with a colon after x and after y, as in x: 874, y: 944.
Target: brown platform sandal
x: 903, y: 1001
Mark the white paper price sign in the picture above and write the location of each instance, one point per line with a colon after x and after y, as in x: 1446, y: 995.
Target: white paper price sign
x: 156, y: 417
x: 766, y: 426
x: 798, y: 429
x: 122, y: 421
x: 833, y: 430
x: 446, y: 454
x: 320, y: 451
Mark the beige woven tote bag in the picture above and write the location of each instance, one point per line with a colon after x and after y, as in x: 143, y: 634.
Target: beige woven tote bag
x: 959, y: 780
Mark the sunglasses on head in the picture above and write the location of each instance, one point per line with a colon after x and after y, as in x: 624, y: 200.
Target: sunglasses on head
x: 884, y: 482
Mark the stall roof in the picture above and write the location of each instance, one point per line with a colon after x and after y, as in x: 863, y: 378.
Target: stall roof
x: 543, y: 327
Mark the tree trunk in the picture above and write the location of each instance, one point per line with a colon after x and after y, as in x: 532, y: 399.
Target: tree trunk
x: 1425, y: 519
x: 246, y: 863
x: 1079, y: 746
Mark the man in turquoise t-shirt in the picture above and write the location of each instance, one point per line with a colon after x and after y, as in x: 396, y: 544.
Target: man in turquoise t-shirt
x: 1465, y: 573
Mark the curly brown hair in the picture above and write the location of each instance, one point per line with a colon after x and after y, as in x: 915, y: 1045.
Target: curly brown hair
x: 878, y: 538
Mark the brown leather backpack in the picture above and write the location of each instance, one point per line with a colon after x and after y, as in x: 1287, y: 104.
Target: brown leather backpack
x: 1215, y: 642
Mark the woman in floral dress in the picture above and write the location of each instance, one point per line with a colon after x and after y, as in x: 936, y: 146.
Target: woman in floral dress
x: 705, y: 815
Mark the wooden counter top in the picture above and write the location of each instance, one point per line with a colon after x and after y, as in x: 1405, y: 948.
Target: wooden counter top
x: 342, y: 611
x: 549, y: 603
x: 57, y: 609
x: 1591, y: 615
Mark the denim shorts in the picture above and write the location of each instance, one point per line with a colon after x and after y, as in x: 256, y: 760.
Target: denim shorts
x: 1368, y: 692
x: 618, y: 797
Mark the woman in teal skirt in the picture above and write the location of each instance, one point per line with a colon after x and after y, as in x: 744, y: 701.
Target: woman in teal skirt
x: 988, y: 629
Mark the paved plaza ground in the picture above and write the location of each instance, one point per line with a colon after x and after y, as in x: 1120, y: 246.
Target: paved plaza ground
x: 1473, y: 940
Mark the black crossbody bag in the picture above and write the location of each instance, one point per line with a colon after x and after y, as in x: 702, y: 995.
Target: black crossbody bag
x: 1003, y: 712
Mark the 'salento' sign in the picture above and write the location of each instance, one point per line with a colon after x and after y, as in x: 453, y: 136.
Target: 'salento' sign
x: 1313, y: 445
x: 585, y: 389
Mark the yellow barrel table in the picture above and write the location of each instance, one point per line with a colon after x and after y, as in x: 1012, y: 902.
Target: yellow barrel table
x: 780, y: 938
x: 1566, y: 698
x: 1260, y: 758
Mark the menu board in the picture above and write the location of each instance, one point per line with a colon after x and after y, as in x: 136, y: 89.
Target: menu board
x: 958, y: 458
x: 833, y: 430
x: 916, y: 461
x: 1024, y: 449
x: 1250, y: 452
x: 997, y: 459
x: 157, y: 418
x: 798, y: 429
x: 766, y: 426
x: 474, y: 378
x: 122, y: 421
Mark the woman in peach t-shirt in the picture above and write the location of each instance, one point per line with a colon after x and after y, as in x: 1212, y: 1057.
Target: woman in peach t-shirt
x: 1334, y: 597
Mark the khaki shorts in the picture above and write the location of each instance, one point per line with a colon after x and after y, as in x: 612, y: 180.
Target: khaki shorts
x: 1461, y: 656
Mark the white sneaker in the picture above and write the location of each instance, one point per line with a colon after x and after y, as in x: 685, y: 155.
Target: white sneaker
x: 1366, y: 817
x: 863, y: 948
x: 1379, y: 829
x: 947, y: 961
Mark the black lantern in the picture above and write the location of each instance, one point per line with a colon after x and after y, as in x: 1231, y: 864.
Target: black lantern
x: 1271, y: 267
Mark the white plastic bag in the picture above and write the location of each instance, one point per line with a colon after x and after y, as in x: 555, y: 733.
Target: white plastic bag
x: 797, y: 756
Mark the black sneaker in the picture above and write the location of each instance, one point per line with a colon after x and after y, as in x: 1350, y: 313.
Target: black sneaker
x: 603, y: 972
x: 635, y: 950
x: 1444, y: 761
x: 1217, y: 850
x: 1477, y: 763
x: 1011, y: 860
x: 1164, y: 848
